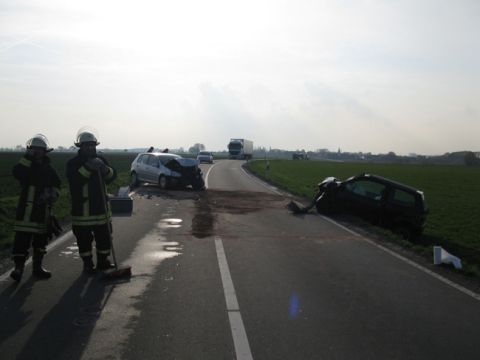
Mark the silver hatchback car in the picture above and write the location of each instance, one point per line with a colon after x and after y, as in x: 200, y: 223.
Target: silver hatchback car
x: 166, y: 170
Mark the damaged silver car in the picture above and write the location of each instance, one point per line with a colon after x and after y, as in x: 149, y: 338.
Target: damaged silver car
x: 166, y: 170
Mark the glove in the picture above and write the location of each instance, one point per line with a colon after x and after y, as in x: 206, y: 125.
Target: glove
x: 96, y: 164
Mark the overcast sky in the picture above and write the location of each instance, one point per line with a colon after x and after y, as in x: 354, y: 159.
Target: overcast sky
x: 371, y: 76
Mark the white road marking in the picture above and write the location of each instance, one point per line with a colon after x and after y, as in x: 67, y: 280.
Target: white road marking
x: 239, y: 335
x: 410, y: 262
x: 265, y: 185
x: 208, y: 173
x: 50, y: 247
x: 229, y: 290
x: 392, y: 253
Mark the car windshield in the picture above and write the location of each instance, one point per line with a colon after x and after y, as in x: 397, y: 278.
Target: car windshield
x: 204, y: 153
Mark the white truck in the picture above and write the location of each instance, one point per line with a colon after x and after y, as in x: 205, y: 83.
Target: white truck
x: 240, y: 149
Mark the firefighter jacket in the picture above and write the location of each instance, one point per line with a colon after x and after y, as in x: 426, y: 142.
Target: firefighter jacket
x: 33, y: 208
x: 88, y: 192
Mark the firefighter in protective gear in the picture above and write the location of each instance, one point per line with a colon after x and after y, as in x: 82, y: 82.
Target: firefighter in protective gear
x: 86, y: 172
x: 40, y: 186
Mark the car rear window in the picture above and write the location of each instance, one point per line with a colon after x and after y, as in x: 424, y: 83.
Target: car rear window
x: 403, y: 198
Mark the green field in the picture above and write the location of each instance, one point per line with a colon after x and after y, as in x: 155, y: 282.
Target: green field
x: 452, y: 194
x: 9, y: 189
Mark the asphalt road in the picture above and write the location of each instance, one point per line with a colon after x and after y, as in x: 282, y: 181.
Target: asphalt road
x: 229, y: 273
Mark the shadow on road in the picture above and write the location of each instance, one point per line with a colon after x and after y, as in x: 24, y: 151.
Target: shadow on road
x: 12, y: 300
x: 64, y: 331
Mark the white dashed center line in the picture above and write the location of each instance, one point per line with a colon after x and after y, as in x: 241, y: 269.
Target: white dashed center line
x: 240, y: 340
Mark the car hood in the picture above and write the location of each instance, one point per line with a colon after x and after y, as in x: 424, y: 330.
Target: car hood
x: 187, y: 162
x: 175, y: 163
x: 328, y: 180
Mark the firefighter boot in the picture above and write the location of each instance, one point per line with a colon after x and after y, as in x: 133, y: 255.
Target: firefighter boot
x: 103, y: 263
x: 88, y: 266
x: 37, y: 269
x: 17, y: 273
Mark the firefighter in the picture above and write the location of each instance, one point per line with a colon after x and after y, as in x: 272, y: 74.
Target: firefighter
x: 91, y: 215
x: 40, y: 189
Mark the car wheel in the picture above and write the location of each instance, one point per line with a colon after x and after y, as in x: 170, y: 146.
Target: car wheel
x: 133, y: 180
x: 162, y: 182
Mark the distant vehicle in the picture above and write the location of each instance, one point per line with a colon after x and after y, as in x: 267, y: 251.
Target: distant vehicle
x: 166, y: 170
x: 205, y: 156
x: 380, y: 200
x: 240, y: 149
x: 299, y: 156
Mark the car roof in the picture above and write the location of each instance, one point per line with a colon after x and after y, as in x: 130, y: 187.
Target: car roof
x: 385, y: 180
x: 161, y: 154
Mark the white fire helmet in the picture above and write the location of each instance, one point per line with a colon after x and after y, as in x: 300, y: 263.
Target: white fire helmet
x: 39, y: 141
x: 86, y: 134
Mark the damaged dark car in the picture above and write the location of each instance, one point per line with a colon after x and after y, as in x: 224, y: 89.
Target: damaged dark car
x: 167, y: 171
x: 382, y: 201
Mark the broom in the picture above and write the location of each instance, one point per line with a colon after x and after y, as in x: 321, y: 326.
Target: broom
x: 117, y: 273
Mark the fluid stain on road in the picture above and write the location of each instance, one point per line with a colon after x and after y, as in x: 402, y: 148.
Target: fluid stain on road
x: 70, y: 251
x: 213, y: 202
x: 203, y: 221
x: 208, y: 204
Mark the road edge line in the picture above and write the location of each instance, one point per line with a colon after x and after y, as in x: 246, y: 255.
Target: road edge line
x: 208, y: 173
x: 265, y: 185
x: 408, y: 261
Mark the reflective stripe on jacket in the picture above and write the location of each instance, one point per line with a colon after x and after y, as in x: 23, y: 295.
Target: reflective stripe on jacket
x: 88, y: 207
x: 34, y: 178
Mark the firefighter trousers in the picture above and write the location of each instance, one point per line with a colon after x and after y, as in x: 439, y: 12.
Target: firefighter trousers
x: 22, y: 242
x: 87, y: 234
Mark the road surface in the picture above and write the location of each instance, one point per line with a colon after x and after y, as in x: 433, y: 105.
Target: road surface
x: 229, y: 273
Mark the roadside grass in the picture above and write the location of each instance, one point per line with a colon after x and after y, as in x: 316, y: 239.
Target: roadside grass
x: 9, y: 188
x: 452, y: 194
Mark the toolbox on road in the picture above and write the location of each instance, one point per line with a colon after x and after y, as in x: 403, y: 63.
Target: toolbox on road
x: 122, y: 203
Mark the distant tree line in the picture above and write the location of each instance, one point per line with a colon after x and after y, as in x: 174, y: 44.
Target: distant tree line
x: 468, y: 158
